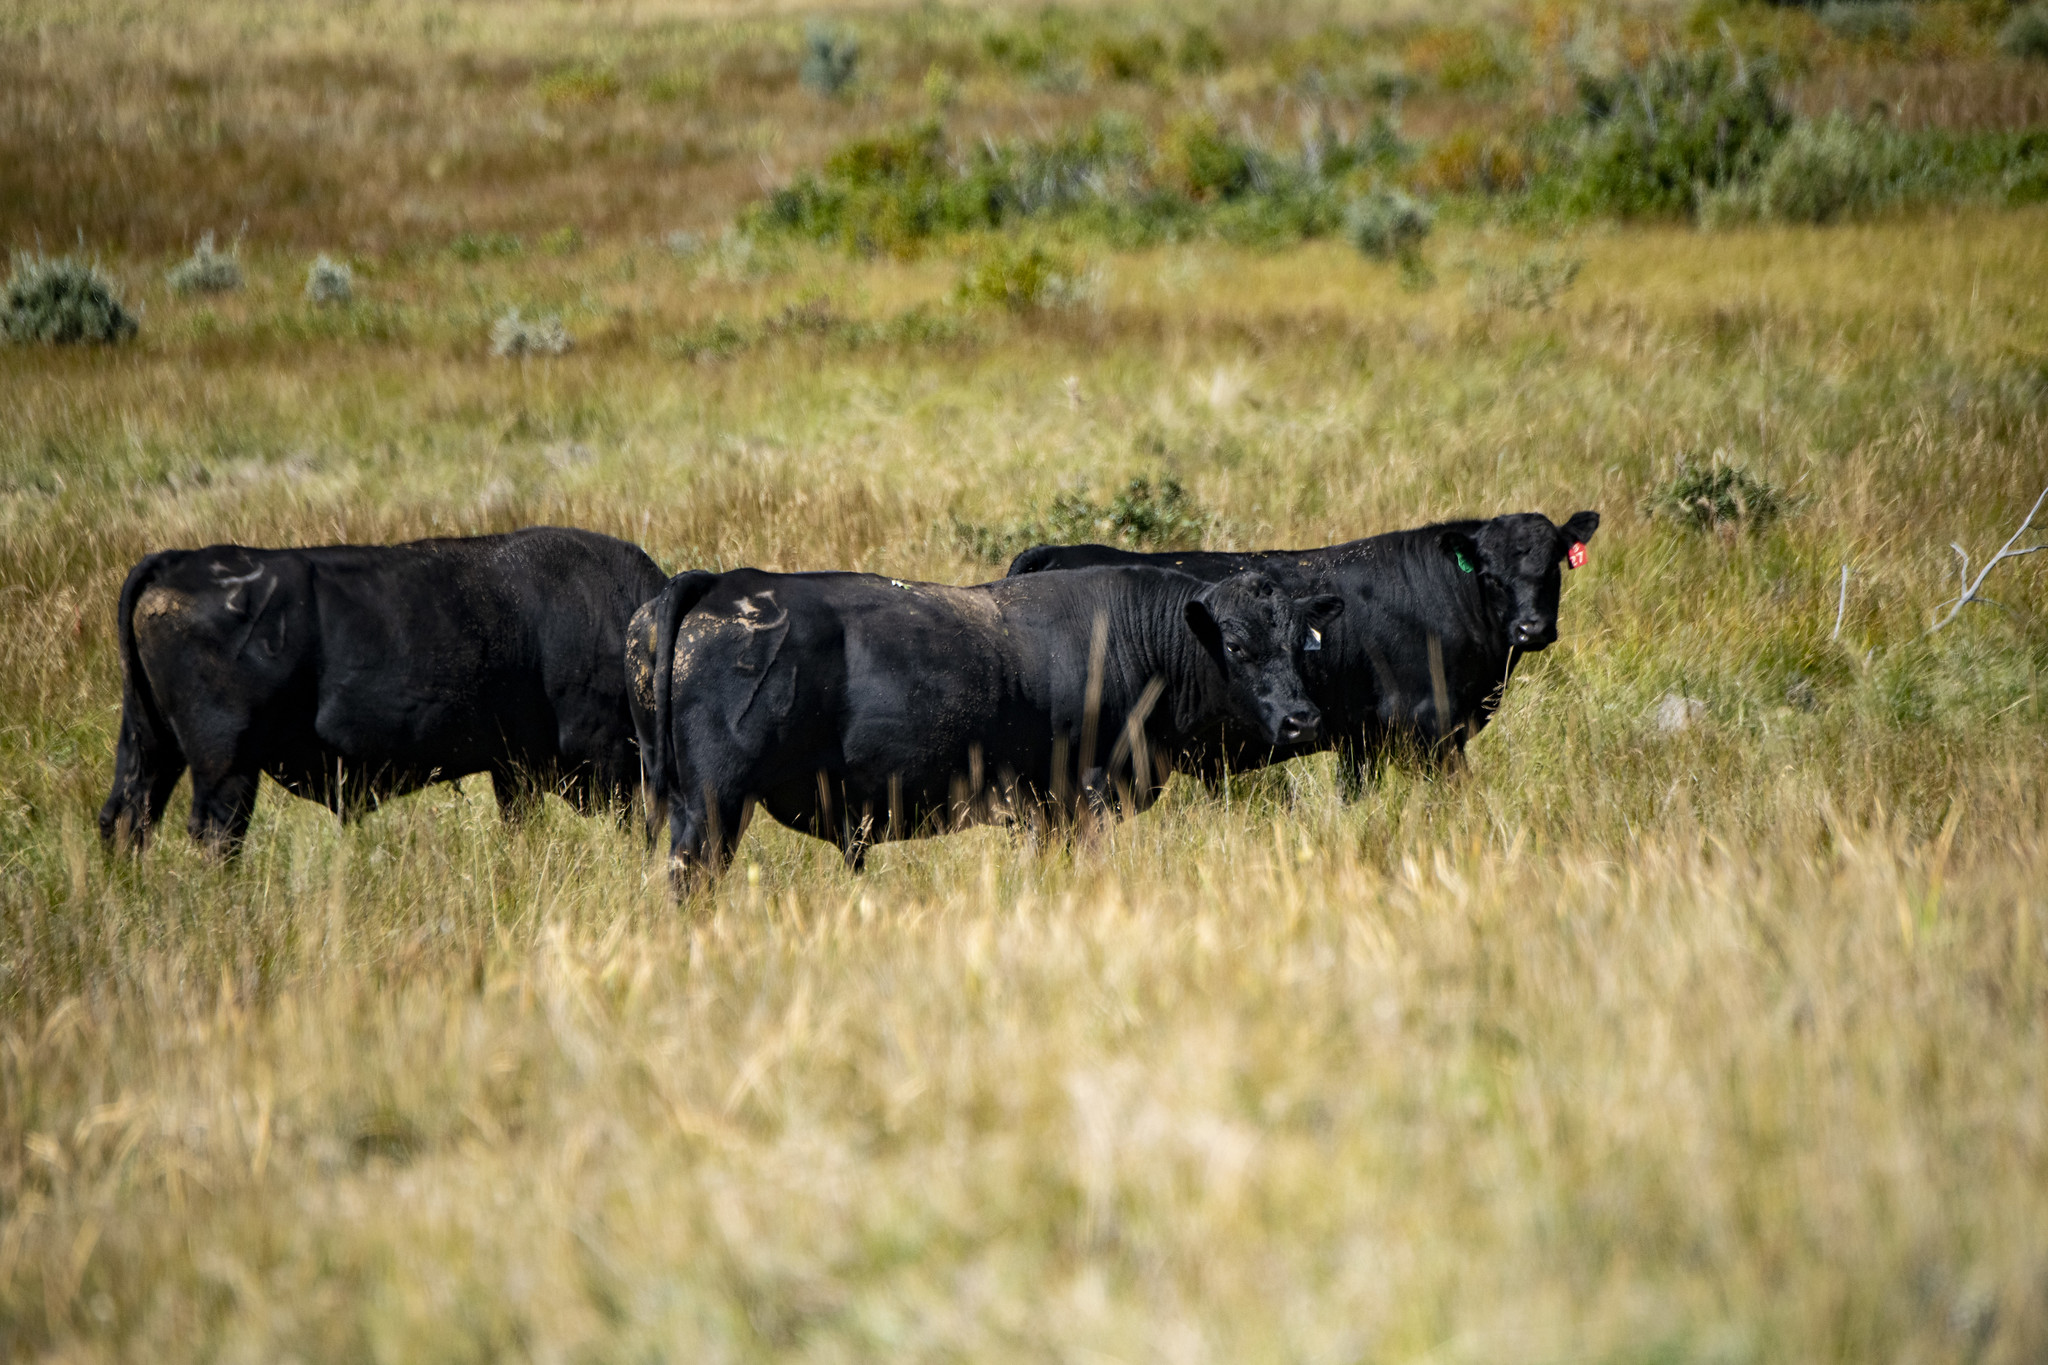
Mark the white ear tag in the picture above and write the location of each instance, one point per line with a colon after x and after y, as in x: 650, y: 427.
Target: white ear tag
x: 1314, y: 641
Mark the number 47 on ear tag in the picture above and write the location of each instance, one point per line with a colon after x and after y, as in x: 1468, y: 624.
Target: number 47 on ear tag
x: 1575, y: 557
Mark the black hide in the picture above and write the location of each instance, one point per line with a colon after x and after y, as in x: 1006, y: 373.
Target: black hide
x: 354, y: 673
x: 1434, y: 622
x: 858, y: 708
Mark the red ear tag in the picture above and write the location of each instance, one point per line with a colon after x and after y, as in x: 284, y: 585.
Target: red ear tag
x: 1576, y: 556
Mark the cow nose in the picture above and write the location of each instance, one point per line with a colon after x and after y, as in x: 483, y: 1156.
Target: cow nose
x: 1527, y: 632
x: 1299, y: 725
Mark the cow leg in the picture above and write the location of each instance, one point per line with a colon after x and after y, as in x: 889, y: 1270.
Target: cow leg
x: 855, y: 842
x: 518, y: 796
x: 1358, y: 765
x: 704, y: 827
x: 221, y: 806
x: 654, y: 812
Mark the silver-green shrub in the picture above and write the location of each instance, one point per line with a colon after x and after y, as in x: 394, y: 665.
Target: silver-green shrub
x: 1827, y: 169
x: 1868, y: 21
x: 2026, y: 34
x: 206, y: 270
x: 1388, y: 225
x: 329, y: 281
x: 62, y: 302
x: 831, y: 57
x: 514, y: 337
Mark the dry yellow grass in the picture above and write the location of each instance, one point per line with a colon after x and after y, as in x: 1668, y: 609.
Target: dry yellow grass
x: 1631, y: 1044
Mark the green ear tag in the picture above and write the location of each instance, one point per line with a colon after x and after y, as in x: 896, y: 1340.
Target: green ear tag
x: 1464, y: 564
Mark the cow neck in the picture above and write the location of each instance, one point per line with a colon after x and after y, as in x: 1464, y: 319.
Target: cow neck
x: 1477, y: 618
x: 1150, y: 638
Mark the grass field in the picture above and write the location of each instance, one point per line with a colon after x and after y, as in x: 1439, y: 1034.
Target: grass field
x: 1666, y: 1032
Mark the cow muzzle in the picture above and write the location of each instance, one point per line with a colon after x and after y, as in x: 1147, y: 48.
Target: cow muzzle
x: 1530, y: 634
x: 1300, y: 726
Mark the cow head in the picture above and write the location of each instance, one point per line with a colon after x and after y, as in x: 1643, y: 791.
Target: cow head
x: 1516, y: 559
x: 1254, y: 632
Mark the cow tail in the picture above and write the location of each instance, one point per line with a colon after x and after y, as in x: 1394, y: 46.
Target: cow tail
x: 146, y: 745
x: 136, y: 682
x: 683, y: 592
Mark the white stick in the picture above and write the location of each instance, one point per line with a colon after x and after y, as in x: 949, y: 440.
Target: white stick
x: 2006, y: 551
x: 1841, y: 605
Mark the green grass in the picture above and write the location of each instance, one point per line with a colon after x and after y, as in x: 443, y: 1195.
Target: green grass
x: 1720, y: 1042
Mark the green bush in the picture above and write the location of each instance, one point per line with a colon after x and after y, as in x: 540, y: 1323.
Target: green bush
x: 472, y: 247
x: 63, y: 302
x: 1199, y: 52
x: 1128, y: 56
x: 2025, y: 35
x: 206, y: 270
x: 1867, y: 21
x: 895, y: 192
x: 1142, y: 515
x: 1204, y: 162
x: 1657, y: 138
x: 1020, y: 278
x: 2026, y: 182
x: 580, y: 85
x: 1717, y: 496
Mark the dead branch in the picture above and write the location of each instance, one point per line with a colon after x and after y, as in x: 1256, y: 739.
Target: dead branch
x: 1967, y: 586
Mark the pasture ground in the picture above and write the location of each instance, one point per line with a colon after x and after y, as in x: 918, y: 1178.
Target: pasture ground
x: 1720, y: 1041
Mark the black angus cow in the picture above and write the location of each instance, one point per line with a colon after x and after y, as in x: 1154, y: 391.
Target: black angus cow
x: 857, y: 708
x: 1434, y: 621
x: 351, y: 673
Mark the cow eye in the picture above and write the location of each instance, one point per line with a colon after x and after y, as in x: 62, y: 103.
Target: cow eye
x: 1237, y: 651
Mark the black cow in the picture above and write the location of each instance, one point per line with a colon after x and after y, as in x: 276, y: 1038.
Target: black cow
x: 858, y: 708
x: 351, y: 673
x: 1434, y: 622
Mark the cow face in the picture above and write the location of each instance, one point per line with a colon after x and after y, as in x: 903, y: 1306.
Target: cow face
x: 1516, y: 558
x: 1255, y: 633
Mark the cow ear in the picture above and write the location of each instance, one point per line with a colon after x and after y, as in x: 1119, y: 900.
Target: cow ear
x: 1203, y: 623
x: 1320, y: 610
x: 1580, y: 528
x: 1461, y: 550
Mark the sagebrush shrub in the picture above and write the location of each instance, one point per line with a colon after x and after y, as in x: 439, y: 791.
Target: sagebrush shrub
x: 1388, y: 225
x: 831, y: 59
x: 893, y: 193
x: 206, y: 270
x: 1869, y: 20
x: 2026, y: 34
x: 1142, y: 515
x: 63, y: 302
x: 1658, y: 137
x: 1717, y: 496
x: 514, y: 337
x: 1825, y: 170
x: 329, y: 281
x: 1530, y: 285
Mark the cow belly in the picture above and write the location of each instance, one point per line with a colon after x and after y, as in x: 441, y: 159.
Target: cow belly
x: 420, y: 735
